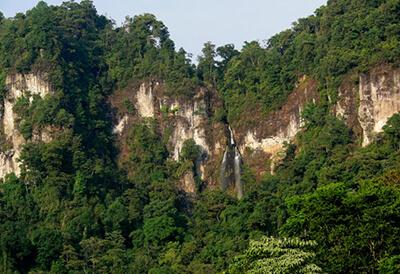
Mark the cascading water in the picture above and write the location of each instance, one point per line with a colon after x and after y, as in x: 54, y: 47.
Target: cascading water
x: 238, y: 172
x: 224, y: 169
x: 231, y: 136
x: 231, y: 167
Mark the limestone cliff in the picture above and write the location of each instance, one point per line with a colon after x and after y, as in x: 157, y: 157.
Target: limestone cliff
x: 179, y: 119
x: 17, y: 85
x: 366, y: 102
x: 367, y: 105
x: 262, y: 145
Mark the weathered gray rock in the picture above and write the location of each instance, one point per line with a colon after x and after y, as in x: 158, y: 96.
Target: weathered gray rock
x: 18, y: 85
x: 370, y: 103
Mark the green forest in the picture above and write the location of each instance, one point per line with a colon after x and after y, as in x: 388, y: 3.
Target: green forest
x: 332, y: 206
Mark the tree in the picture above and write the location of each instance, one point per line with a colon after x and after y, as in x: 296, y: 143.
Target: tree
x: 390, y: 265
x: 190, y: 151
x: 161, y: 219
x: 392, y: 131
x: 18, y: 212
x: 207, y: 63
x: 347, y: 221
x: 49, y: 244
x: 272, y: 255
x: 147, y: 154
x: 105, y: 255
x: 226, y: 53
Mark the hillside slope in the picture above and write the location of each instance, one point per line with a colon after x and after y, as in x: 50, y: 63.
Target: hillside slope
x: 118, y: 155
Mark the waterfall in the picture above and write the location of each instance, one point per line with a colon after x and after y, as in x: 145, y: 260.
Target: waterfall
x: 237, y: 169
x: 231, y: 136
x: 231, y: 167
x: 224, y: 167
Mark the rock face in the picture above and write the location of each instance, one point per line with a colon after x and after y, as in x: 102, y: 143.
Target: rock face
x: 179, y: 119
x: 187, y: 183
x: 262, y: 146
x: 365, y: 103
x: 366, y: 107
x: 145, y: 101
x: 17, y: 85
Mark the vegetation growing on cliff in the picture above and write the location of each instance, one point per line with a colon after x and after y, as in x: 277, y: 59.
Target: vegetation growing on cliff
x: 141, y: 49
x: 331, y: 205
x: 345, y: 35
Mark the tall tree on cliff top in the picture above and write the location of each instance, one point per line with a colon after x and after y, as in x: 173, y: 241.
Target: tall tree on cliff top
x: 207, y: 64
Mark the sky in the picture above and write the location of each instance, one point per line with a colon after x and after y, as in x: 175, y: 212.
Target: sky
x: 191, y: 23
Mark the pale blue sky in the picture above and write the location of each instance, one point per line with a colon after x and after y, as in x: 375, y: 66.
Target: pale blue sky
x: 193, y: 22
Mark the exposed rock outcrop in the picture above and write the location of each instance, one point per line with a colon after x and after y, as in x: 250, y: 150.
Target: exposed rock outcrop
x: 262, y: 146
x: 179, y: 119
x: 18, y: 85
x: 145, y: 100
x: 187, y: 183
x: 367, y: 105
x: 365, y: 102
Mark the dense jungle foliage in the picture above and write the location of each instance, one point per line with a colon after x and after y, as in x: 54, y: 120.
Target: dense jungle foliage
x: 331, y: 207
